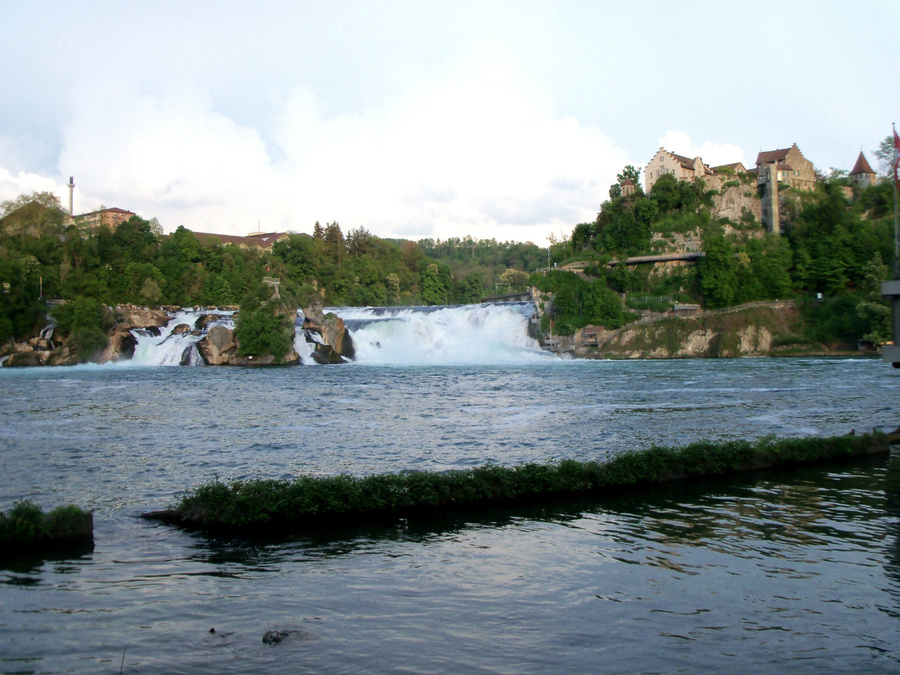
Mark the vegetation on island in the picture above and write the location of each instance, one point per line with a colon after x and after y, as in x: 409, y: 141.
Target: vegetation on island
x: 265, y: 324
x: 309, y: 502
x: 26, y: 528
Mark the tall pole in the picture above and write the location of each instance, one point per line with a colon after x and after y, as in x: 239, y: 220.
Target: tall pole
x: 896, y: 240
x: 71, y: 195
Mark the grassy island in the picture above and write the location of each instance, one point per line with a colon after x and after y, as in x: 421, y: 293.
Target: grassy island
x: 25, y: 528
x: 307, y: 502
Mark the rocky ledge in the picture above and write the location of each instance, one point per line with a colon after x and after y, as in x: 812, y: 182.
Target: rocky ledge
x: 216, y: 345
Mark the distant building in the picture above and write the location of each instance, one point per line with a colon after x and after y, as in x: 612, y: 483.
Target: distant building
x: 862, y: 174
x: 684, y: 168
x: 627, y: 187
x: 786, y: 167
x: 94, y: 220
x: 733, y: 168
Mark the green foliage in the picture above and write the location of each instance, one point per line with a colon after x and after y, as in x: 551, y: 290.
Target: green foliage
x: 26, y: 525
x: 21, y: 308
x: 831, y: 319
x: 309, y: 502
x: 514, y: 280
x: 718, y: 271
x: 264, y: 325
x: 874, y: 310
x: 578, y: 302
x: 434, y: 287
x: 84, y: 322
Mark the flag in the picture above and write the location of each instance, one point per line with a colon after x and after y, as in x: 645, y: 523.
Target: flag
x: 896, y: 154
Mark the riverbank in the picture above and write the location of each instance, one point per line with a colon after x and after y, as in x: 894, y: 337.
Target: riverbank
x: 312, y: 502
x: 755, y: 329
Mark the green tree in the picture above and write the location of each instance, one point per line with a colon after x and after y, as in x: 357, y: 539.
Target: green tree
x: 629, y: 173
x: 84, y: 321
x: 21, y: 309
x: 872, y: 308
x: 434, y: 292
x: 263, y: 324
x: 885, y: 156
x: 515, y: 280
x: 392, y: 283
x: 46, y: 200
x: 718, y: 271
x: 217, y: 291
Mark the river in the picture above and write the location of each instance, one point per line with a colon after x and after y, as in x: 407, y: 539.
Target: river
x: 790, y: 572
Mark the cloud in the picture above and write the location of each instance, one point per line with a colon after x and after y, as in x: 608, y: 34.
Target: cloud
x: 714, y: 154
x: 475, y: 150
x: 13, y: 185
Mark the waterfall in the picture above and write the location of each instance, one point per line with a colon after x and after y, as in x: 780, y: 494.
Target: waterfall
x: 466, y: 334
x: 167, y: 348
x: 458, y: 335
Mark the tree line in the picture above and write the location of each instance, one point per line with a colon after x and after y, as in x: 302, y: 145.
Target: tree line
x: 42, y: 257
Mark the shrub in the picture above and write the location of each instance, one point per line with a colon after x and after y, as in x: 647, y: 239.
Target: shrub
x: 311, y: 501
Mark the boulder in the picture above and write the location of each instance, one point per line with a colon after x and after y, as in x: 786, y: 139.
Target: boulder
x: 40, y: 345
x: 218, y: 348
x: 204, y: 320
x: 121, y: 346
x: 273, y: 637
x: 27, y: 359
x: 141, y: 317
x: 181, y: 328
x: 64, y: 356
x: 337, y: 345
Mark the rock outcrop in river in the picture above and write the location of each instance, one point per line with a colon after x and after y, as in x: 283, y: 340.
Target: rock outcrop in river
x: 334, y: 344
x: 210, y: 335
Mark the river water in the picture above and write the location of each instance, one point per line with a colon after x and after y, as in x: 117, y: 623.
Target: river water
x: 789, y: 572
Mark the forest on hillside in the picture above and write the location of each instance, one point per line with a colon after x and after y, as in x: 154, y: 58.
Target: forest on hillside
x: 834, y: 250
x: 42, y: 258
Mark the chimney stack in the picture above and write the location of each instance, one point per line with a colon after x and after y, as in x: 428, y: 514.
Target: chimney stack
x: 71, y: 195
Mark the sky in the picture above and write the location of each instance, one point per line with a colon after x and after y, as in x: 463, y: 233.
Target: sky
x: 424, y: 119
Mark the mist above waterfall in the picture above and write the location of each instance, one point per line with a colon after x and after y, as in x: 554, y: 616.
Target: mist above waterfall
x: 468, y: 334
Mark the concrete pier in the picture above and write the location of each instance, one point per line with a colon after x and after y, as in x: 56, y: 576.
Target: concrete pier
x: 891, y: 353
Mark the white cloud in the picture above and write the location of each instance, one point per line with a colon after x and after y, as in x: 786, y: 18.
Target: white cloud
x: 13, y: 185
x: 714, y: 154
x: 477, y: 151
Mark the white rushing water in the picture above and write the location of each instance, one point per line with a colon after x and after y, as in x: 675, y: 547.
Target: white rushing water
x: 458, y: 335
x: 171, y: 349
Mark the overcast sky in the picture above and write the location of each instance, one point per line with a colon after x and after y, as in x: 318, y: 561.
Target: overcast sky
x: 422, y: 119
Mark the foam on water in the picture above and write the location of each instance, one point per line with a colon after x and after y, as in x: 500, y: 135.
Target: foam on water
x: 168, y: 349
x: 461, y: 335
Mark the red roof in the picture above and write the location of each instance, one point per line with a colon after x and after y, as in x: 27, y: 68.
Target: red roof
x: 771, y: 156
x: 861, y: 166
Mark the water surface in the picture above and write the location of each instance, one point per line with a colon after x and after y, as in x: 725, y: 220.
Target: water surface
x: 795, y: 572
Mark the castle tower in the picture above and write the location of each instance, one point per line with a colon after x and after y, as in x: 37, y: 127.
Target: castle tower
x: 862, y: 173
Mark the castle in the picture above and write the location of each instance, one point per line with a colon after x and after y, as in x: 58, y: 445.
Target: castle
x: 786, y: 167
